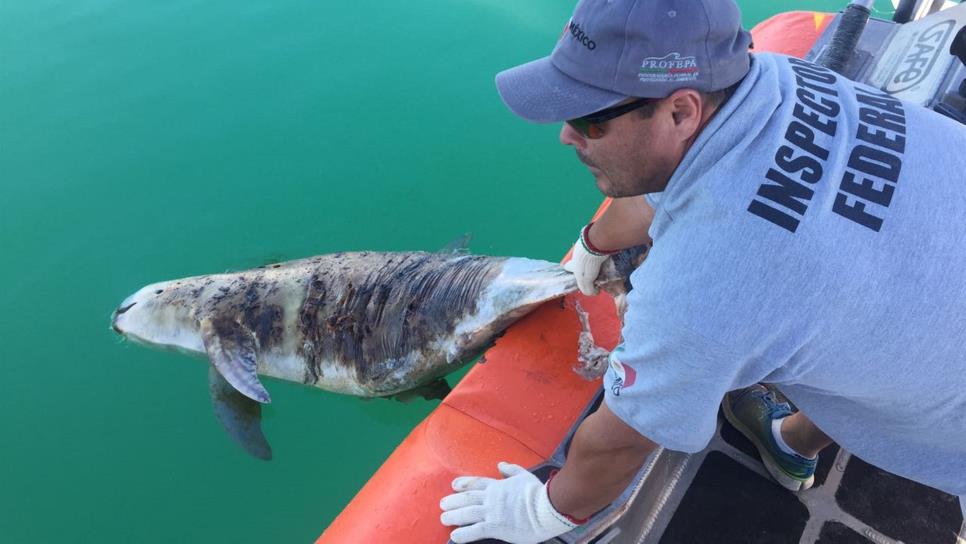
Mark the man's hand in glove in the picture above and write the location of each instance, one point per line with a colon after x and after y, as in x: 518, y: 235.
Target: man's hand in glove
x: 585, y: 262
x: 515, y: 509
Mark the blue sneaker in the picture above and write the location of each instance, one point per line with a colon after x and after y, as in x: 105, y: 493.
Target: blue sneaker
x: 751, y: 411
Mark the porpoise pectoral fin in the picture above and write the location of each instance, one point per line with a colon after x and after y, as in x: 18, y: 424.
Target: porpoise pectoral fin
x: 231, y: 350
x: 434, y: 390
x: 459, y: 245
x: 239, y: 415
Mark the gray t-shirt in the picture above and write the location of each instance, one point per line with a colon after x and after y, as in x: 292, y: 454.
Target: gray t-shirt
x: 813, y: 237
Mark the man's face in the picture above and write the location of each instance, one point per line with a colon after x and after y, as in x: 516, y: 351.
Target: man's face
x: 634, y: 156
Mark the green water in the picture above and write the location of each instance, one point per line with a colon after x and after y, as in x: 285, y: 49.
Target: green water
x: 143, y: 141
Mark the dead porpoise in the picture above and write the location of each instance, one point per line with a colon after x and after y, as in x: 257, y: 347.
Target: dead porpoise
x: 367, y: 324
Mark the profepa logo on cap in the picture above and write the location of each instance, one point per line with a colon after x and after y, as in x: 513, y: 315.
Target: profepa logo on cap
x: 578, y: 34
x: 670, y: 67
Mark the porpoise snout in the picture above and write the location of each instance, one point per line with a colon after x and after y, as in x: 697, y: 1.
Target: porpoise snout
x: 125, y: 306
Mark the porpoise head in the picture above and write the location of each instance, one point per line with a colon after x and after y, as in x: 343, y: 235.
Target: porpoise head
x: 170, y: 315
x: 162, y: 315
x: 167, y: 315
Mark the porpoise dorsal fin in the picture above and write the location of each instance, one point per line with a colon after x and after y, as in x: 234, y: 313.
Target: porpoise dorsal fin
x: 239, y: 415
x: 231, y: 350
x: 459, y: 245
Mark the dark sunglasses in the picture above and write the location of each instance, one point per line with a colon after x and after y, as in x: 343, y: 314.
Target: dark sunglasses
x: 591, y: 126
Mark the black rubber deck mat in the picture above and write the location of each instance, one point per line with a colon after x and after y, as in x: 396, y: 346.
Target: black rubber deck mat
x: 834, y: 532
x: 728, y: 503
x: 898, y: 507
x: 825, y: 461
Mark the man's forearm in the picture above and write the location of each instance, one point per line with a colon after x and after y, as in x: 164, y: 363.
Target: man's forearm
x: 624, y: 224
x: 600, y: 465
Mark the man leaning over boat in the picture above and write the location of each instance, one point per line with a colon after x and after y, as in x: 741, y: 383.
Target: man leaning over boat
x: 806, y: 234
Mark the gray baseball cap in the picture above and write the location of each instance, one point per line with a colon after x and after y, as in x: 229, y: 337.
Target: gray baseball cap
x: 614, y: 49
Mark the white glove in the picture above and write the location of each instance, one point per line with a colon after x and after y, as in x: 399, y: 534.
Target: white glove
x: 585, y: 263
x: 516, y: 509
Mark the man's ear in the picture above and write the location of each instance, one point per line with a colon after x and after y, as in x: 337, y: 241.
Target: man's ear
x: 687, y: 112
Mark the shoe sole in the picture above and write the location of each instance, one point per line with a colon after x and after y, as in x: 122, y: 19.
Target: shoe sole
x: 783, y: 478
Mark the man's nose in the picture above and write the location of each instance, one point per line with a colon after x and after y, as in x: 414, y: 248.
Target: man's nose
x: 569, y: 136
